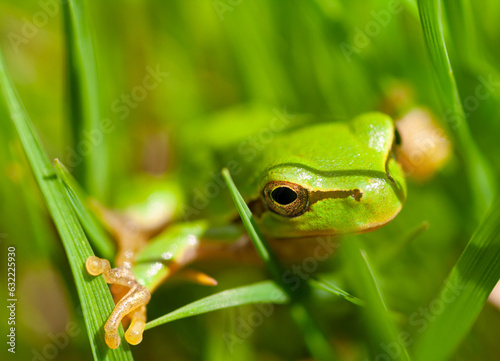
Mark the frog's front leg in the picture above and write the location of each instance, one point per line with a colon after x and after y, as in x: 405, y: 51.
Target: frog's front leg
x: 133, y: 303
x: 163, y: 256
x: 130, y: 234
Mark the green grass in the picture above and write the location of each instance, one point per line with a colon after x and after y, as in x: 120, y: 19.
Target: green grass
x: 477, y: 271
x: 358, y: 305
x: 301, y: 313
x: 84, y: 113
x: 480, y: 176
x: 94, y: 296
x: 80, y: 202
x: 381, y: 329
x: 262, y: 292
x: 465, y: 292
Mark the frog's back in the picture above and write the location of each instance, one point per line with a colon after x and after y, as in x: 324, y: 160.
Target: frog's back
x: 335, y: 146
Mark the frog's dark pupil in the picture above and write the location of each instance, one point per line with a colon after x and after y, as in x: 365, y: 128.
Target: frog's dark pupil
x: 283, y: 195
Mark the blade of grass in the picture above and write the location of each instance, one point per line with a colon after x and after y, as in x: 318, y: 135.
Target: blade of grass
x: 315, y: 340
x: 94, y: 295
x: 380, y: 327
x: 467, y: 289
x: 263, y: 249
x: 72, y: 95
x: 461, y: 24
x: 477, y: 169
x: 470, y: 49
x: 45, y: 243
x: 98, y: 237
x: 391, y: 253
x: 325, y: 286
x: 84, y: 98
x: 261, y: 292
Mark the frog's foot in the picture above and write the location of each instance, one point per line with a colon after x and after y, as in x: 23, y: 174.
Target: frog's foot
x: 133, y: 303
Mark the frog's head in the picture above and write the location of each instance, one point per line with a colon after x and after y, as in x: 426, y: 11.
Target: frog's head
x: 330, y: 179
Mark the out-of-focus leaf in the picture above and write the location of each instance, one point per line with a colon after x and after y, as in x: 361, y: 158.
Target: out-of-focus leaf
x: 84, y: 90
x: 465, y: 292
x: 380, y: 326
x: 478, y: 170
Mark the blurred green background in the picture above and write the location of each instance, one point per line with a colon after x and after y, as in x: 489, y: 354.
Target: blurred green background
x: 332, y: 59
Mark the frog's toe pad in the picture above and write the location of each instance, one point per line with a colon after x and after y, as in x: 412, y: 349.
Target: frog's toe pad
x: 95, y: 265
x: 134, y: 332
x: 112, y: 340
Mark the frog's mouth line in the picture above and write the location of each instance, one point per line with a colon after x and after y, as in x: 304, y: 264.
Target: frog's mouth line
x: 316, y: 196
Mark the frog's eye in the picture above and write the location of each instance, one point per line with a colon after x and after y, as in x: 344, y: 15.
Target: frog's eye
x: 285, y: 198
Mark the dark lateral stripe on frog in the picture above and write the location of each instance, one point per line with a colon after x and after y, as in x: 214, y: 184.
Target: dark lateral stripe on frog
x: 257, y: 206
x: 316, y: 196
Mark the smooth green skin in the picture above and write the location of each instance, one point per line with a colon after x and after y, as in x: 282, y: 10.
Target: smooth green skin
x: 331, y: 157
x: 323, y: 158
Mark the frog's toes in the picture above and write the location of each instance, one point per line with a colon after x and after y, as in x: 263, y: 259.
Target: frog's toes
x: 136, y: 298
x: 137, y: 324
x: 120, y: 275
x: 133, y: 303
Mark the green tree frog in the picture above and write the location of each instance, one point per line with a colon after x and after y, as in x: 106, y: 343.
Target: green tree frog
x: 299, y: 180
